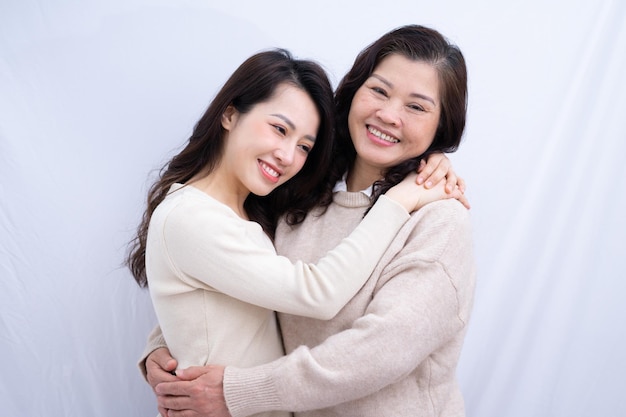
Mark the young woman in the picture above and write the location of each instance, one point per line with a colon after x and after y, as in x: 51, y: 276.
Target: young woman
x: 213, y: 274
x: 393, y: 350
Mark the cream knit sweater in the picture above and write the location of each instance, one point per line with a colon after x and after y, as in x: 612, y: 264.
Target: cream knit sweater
x: 215, y: 279
x: 393, y: 350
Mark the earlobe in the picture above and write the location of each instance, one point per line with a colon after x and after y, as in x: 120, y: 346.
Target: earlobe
x: 228, y: 117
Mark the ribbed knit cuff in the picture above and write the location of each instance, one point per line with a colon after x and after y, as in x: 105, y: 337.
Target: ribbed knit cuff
x: 250, y: 390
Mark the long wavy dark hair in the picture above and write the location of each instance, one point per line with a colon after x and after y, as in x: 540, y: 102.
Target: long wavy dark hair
x: 255, y: 81
x: 417, y: 43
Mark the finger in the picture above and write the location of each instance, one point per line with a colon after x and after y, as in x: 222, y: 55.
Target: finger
x: 421, y: 166
x: 176, y: 388
x: 162, y: 377
x: 164, y: 359
x: 439, y: 173
x: 461, y: 184
x: 451, y: 181
x: 172, y: 403
x: 437, y: 165
x: 462, y: 199
x: 171, y: 365
x: 193, y: 372
x: 156, y: 374
x: 424, y: 170
x: 182, y: 413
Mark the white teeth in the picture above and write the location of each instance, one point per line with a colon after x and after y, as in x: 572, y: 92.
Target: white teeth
x: 269, y: 170
x: 382, y: 135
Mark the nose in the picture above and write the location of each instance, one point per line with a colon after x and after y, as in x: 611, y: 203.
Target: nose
x: 389, y: 113
x: 285, y: 153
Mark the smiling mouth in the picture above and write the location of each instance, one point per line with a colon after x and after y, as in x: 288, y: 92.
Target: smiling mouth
x: 270, y: 172
x: 382, y: 136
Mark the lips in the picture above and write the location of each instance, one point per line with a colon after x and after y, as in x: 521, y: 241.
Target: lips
x: 383, y: 136
x: 269, y: 171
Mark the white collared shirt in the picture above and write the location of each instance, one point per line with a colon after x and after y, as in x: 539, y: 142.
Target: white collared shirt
x: 342, y: 185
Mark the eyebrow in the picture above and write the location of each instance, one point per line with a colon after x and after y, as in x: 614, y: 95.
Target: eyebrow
x: 417, y: 95
x: 291, y: 125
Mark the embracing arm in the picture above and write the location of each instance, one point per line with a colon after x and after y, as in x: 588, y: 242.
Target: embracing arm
x: 207, y: 247
x: 423, y: 303
x: 216, y: 252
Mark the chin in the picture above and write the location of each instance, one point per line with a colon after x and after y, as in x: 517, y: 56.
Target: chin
x: 264, y: 191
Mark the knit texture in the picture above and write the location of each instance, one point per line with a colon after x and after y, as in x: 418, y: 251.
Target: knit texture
x: 215, y: 279
x: 394, y: 348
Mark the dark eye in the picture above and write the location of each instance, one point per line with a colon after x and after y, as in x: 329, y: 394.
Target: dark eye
x: 280, y: 129
x: 379, y: 91
x: 416, y: 107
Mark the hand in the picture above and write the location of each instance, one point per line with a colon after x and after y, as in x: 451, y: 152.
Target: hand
x: 436, y: 168
x: 198, y: 393
x: 413, y: 196
x: 159, y: 368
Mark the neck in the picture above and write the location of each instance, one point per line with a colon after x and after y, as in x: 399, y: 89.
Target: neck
x: 361, y: 177
x: 214, y: 186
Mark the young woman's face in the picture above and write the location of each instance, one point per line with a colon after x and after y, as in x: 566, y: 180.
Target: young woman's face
x: 267, y: 146
x: 394, y: 114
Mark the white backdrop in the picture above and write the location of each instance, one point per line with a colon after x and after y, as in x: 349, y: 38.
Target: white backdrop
x: 96, y: 95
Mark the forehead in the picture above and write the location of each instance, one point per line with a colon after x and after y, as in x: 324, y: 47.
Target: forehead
x: 408, y: 76
x: 294, y: 104
x: 287, y: 92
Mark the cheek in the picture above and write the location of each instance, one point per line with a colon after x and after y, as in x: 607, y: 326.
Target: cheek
x: 299, y: 162
x: 295, y: 167
x: 356, y: 118
x: 360, y: 106
x: 433, y: 132
x: 425, y: 132
x: 418, y: 143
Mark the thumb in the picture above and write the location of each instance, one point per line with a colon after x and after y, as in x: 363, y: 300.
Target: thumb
x: 170, y: 365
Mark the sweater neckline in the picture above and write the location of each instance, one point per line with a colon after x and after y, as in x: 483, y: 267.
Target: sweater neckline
x: 351, y: 199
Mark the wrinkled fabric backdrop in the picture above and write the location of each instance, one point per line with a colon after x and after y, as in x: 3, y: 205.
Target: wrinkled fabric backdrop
x: 96, y: 95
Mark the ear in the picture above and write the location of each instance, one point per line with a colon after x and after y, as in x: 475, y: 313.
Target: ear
x: 229, y: 117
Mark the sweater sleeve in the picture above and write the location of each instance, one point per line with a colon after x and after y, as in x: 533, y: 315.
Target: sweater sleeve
x: 155, y: 341
x: 422, y: 304
x: 215, y: 252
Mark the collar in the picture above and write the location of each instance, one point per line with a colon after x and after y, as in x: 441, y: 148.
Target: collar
x: 342, y: 185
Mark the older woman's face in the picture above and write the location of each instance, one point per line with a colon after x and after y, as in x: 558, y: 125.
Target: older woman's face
x: 395, y: 113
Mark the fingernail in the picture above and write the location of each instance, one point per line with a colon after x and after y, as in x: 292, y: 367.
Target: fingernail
x: 420, y: 180
x: 429, y: 184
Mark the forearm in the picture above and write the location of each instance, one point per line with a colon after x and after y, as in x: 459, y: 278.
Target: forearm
x: 246, y: 267
x: 417, y: 308
x: 381, y: 347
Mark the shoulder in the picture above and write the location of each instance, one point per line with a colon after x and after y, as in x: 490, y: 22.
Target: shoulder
x: 188, y: 212
x: 449, y: 209
x: 190, y: 203
x: 438, y: 228
x: 442, y: 215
